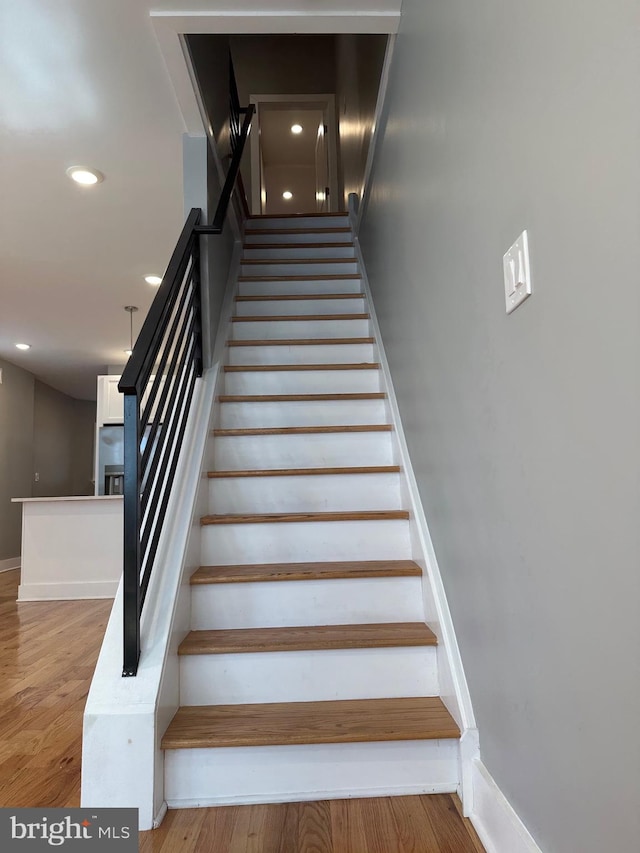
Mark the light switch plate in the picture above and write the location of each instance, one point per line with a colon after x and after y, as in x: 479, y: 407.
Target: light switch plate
x: 517, y: 273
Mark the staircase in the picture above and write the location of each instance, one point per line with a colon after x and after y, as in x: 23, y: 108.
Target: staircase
x: 309, y: 671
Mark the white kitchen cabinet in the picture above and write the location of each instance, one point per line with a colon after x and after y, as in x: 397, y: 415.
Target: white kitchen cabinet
x: 110, y: 402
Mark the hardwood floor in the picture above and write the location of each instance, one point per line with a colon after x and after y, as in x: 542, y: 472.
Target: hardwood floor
x: 429, y: 824
x: 47, y: 654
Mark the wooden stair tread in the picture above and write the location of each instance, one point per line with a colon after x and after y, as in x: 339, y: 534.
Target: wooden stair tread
x: 269, y: 368
x: 298, y: 398
x: 297, y: 317
x: 302, y: 430
x: 267, y: 572
x: 302, y: 472
x: 291, y: 297
x: 319, y: 277
x: 316, y: 637
x: 343, y: 721
x: 298, y: 517
x: 286, y: 342
x: 345, y: 245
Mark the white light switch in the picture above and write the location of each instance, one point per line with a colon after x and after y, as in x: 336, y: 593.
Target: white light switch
x: 517, y: 273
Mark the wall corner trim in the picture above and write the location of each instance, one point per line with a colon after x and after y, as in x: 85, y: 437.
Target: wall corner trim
x: 498, y: 826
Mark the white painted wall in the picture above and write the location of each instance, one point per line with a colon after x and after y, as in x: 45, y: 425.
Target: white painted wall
x: 524, y: 430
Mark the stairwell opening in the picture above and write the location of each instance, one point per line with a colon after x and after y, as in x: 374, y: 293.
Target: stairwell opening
x: 293, y: 78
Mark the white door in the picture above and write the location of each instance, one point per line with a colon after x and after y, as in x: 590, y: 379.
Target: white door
x: 322, y: 170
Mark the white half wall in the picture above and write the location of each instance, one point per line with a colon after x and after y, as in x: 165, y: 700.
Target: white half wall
x: 71, y: 548
x: 124, y: 718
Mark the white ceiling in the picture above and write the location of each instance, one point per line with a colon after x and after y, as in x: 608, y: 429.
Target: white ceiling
x: 85, y: 83
x: 82, y: 83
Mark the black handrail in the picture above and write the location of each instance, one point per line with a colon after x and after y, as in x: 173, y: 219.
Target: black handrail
x: 158, y: 384
x: 232, y: 176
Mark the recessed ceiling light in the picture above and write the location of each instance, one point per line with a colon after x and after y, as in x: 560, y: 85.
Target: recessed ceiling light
x: 23, y: 346
x: 296, y: 128
x: 153, y: 279
x: 85, y: 176
x: 287, y: 194
x: 128, y: 352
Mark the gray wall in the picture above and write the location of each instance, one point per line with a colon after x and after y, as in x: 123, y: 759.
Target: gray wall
x: 359, y: 60
x: 63, y: 439
x: 16, y: 453
x: 41, y: 430
x: 284, y: 65
x: 52, y: 441
x: 82, y: 457
x: 524, y: 430
x: 210, y: 57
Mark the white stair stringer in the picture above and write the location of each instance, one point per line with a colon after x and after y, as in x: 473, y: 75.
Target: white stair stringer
x: 306, y: 441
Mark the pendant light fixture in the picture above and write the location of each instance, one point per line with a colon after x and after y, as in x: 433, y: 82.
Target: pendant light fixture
x: 131, y: 309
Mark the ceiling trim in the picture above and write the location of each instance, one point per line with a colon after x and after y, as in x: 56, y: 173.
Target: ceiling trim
x: 170, y: 29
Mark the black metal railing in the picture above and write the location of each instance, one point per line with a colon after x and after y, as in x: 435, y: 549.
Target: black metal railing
x: 158, y: 384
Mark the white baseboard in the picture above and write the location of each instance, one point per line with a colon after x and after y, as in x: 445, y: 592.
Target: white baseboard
x: 67, y: 591
x: 312, y: 796
x: 160, y: 816
x: 498, y: 826
x: 10, y: 564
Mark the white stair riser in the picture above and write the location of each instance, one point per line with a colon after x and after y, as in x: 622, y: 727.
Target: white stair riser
x: 305, y: 493
x: 267, y: 774
x: 302, y: 382
x: 302, y: 354
x: 269, y: 308
x: 301, y: 268
x: 302, y: 413
x: 308, y: 676
x: 313, y: 450
x: 301, y: 287
x: 346, y: 251
x: 293, y: 237
x: 344, y: 601
x: 305, y: 541
x: 297, y: 222
x: 279, y: 329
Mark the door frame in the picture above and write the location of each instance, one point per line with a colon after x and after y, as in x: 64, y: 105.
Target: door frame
x: 325, y: 102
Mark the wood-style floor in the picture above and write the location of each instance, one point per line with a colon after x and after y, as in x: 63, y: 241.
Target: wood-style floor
x: 430, y: 824
x: 47, y: 656
x: 48, y: 651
